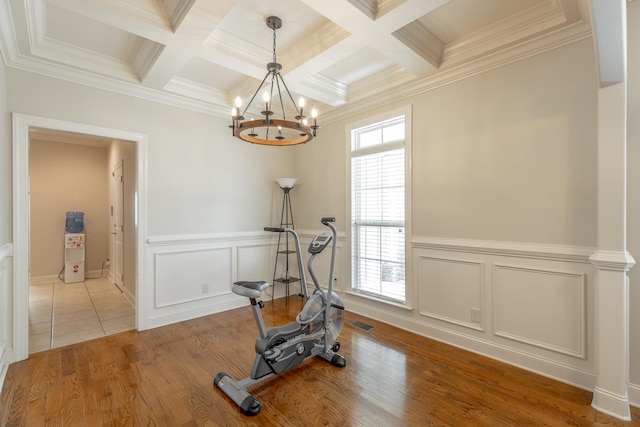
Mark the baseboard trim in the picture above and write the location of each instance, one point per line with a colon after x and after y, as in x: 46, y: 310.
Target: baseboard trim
x: 40, y: 280
x: 611, y: 404
x: 224, y: 303
x: 54, y: 278
x: 634, y: 395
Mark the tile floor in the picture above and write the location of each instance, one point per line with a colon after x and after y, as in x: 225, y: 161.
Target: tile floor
x: 61, y: 314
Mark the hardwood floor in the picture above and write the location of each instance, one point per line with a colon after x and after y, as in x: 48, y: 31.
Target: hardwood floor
x: 164, y: 377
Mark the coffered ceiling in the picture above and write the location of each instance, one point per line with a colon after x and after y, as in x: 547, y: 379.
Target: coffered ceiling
x: 201, y: 54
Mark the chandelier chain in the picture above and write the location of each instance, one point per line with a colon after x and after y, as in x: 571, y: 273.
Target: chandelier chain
x: 274, y: 45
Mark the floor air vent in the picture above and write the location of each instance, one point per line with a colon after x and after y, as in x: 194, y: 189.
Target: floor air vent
x: 361, y: 325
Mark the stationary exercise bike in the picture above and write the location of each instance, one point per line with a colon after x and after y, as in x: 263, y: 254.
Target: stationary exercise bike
x: 284, y: 347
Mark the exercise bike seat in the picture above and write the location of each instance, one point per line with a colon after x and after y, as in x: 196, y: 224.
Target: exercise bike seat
x: 250, y: 289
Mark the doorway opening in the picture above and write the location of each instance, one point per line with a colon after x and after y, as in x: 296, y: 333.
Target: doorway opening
x: 80, y: 289
x: 23, y: 126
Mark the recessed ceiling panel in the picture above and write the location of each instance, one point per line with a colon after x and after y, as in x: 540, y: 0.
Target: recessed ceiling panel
x: 457, y: 18
x: 247, y: 21
x: 361, y: 65
x: 72, y: 29
x: 208, y: 74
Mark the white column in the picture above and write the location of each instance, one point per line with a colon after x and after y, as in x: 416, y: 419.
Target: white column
x: 611, y: 259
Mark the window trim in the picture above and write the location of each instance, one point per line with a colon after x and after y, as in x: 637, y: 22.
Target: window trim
x: 376, y: 118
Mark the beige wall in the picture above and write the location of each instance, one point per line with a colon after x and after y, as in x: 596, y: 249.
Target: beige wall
x: 67, y: 177
x: 507, y: 155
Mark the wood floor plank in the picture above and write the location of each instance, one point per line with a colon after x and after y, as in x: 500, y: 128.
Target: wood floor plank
x: 164, y: 377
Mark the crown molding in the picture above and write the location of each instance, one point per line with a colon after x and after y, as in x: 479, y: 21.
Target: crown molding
x: 368, y: 101
x: 421, y: 41
x: 510, y: 30
x: 189, y: 89
x: 8, y: 42
x: 394, y: 77
x: 323, y: 89
x: 368, y: 7
x: 177, y: 15
x: 102, y: 82
x: 36, y: 20
x: 147, y: 54
x: 84, y: 59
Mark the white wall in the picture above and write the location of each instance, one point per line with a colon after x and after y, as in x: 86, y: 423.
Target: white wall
x: 633, y: 194
x: 5, y: 229
x: 503, y: 211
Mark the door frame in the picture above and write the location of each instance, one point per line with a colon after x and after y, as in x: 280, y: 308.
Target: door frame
x: 20, y: 145
x: 116, y: 201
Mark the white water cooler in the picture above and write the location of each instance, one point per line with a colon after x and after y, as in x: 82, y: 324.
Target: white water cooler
x: 74, y: 257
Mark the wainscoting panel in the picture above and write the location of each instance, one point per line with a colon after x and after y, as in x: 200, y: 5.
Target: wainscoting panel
x: 540, y: 307
x: 191, y: 275
x: 5, y: 309
x: 452, y: 290
x: 255, y: 262
x: 535, y: 303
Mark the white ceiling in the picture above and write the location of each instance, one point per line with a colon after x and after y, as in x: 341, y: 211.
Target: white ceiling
x: 201, y: 54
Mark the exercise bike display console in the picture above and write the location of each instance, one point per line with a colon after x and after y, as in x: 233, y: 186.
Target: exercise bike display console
x: 313, y: 333
x: 319, y: 243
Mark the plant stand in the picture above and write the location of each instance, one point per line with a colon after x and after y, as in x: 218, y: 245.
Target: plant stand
x: 281, y: 269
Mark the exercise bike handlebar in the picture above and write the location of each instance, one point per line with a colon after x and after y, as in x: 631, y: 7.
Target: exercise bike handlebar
x: 324, y: 220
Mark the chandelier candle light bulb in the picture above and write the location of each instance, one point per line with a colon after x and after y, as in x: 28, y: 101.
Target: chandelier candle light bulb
x: 289, y: 132
x: 315, y: 126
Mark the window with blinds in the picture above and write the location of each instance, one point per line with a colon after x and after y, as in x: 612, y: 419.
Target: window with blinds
x: 378, y: 209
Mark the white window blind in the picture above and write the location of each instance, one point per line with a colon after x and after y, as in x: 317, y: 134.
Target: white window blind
x: 378, y: 209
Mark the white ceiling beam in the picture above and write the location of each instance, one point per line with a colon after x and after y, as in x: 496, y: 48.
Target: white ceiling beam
x: 378, y: 34
x: 193, y: 30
